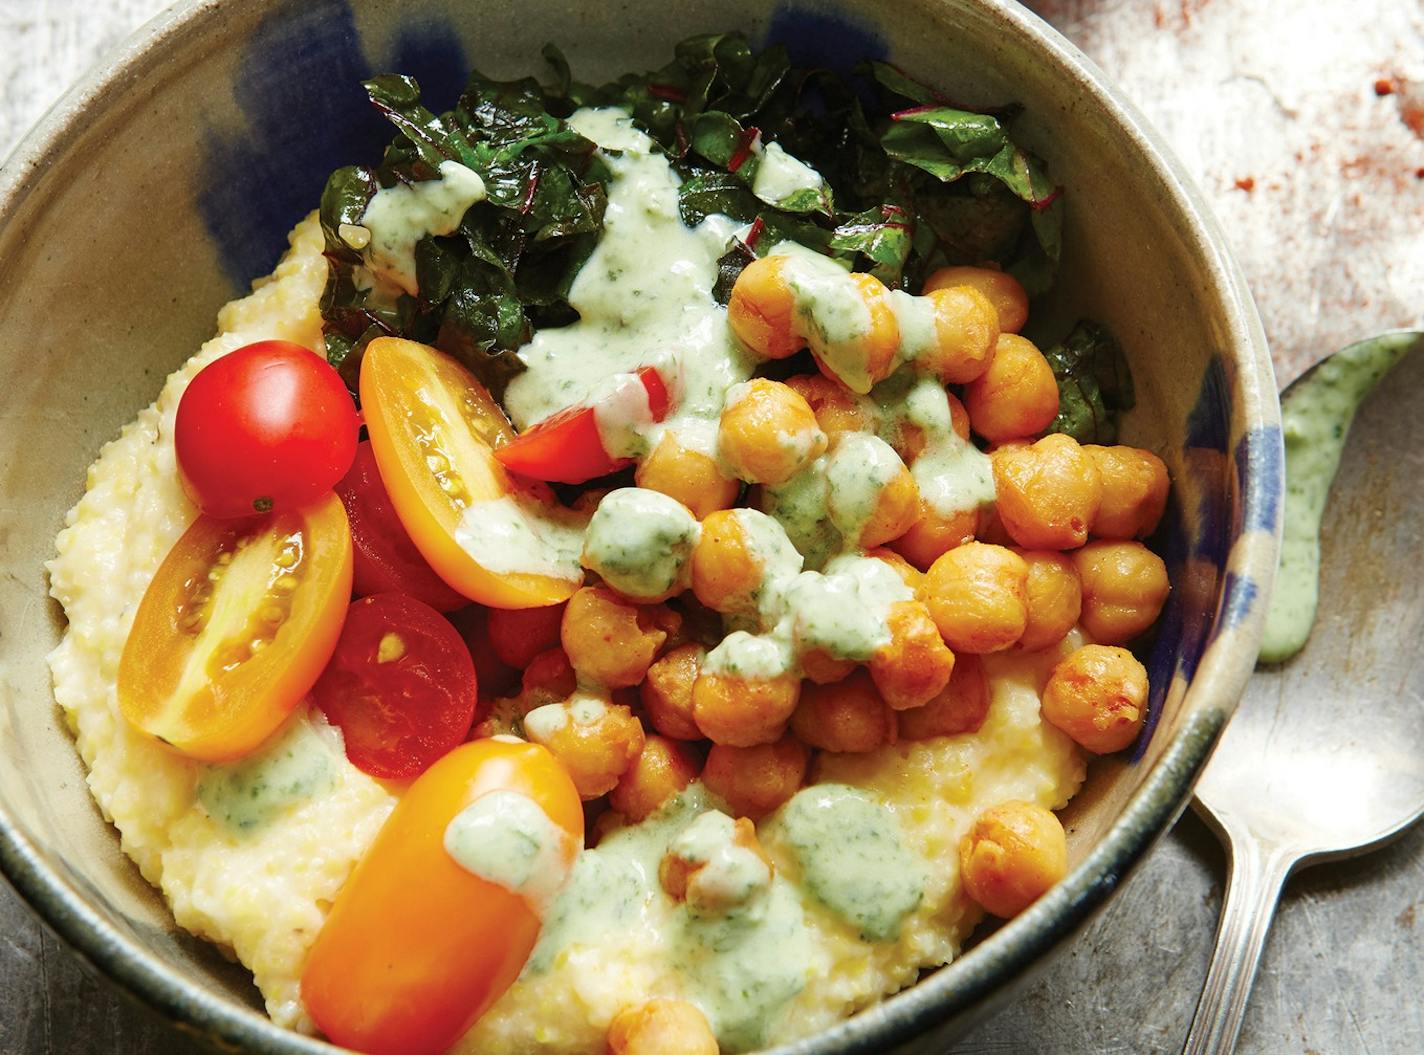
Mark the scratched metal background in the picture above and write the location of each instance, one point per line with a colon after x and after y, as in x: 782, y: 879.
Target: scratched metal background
x: 1303, y: 121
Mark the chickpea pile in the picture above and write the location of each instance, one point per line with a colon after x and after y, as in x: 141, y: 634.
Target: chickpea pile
x: 727, y: 681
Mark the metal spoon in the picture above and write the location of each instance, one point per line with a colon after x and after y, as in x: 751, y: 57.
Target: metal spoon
x: 1325, y: 757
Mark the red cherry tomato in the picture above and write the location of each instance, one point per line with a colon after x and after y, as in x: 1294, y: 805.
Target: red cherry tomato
x: 567, y: 448
x: 385, y: 558
x: 267, y: 427
x: 401, y: 686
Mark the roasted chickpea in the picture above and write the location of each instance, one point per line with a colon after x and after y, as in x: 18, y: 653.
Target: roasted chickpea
x: 762, y: 308
x: 864, y: 359
x: 934, y: 534
x: 820, y: 666
x: 977, y: 595
x: 740, y: 710
x: 966, y: 331
x: 549, y: 678
x: 520, y: 634
x: 915, y: 666
x: 728, y: 571
x: 661, y: 1027
x: 847, y: 716
x: 767, y: 433
x: 1017, y: 396
x: 1003, y: 290
x: 1055, y: 599
x: 663, y: 769
x: 871, y: 496
x: 1012, y: 855
x: 667, y: 691
x: 1048, y: 492
x: 683, y: 871
x: 1124, y: 587
x: 1135, y: 489
x: 960, y: 708
x: 608, y: 641
x: 691, y: 476
x: 837, y: 409
x: 909, y: 574
x: 595, y: 739
x: 753, y: 781
x: 1098, y: 696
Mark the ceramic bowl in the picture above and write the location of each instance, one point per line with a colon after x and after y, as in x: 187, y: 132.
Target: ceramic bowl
x: 160, y: 186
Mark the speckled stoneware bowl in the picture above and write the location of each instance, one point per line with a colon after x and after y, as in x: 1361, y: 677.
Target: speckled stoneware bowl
x: 164, y: 183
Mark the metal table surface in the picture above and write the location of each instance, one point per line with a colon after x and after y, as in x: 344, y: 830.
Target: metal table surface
x: 1303, y: 121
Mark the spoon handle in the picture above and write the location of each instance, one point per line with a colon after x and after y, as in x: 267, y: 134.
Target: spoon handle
x: 1252, y: 889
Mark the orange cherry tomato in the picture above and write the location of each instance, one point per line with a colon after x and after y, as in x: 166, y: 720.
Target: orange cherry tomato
x: 567, y: 447
x: 416, y: 947
x: 433, y: 430
x: 235, y: 628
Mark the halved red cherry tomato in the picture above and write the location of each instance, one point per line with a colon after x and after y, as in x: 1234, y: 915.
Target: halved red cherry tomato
x: 416, y: 947
x: 235, y: 627
x: 567, y: 447
x: 267, y: 427
x: 434, y: 430
x: 400, y: 685
x: 386, y: 560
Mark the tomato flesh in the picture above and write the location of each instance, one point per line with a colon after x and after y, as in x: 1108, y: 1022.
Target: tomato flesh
x: 267, y: 427
x: 567, y: 447
x: 401, y: 686
x: 235, y: 628
x: 386, y: 560
x: 434, y: 430
x: 416, y: 947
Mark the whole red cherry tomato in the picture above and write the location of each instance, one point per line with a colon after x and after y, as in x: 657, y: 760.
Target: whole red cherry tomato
x: 267, y: 427
x: 386, y: 560
x: 401, y: 686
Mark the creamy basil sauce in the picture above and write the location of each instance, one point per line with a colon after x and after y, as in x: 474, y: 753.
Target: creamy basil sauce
x: 516, y: 534
x: 754, y: 656
x: 779, y: 558
x: 299, y: 763
x: 858, y: 469
x: 951, y: 473
x: 398, y: 217
x: 830, y: 309
x: 640, y: 541
x: 853, y: 858
x: 507, y: 839
x: 729, y: 874
x: 741, y: 968
x: 844, y: 610
x: 623, y: 415
x: 646, y: 289
x: 781, y: 177
x: 916, y: 317
x: 1316, y: 413
x: 801, y: 507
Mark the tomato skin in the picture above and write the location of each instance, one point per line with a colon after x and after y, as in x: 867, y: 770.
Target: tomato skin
x: 398, y: 714
x: 386, y: 560
x: 567, y: 447
x: 416, y: 948
x: 191, y: 686
x: 420, y: 404
x: 267, y: 427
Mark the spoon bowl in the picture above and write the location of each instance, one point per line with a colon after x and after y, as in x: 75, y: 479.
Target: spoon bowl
x: 1324, y: 759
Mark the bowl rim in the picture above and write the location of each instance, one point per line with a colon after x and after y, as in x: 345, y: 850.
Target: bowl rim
x: 960, y: 990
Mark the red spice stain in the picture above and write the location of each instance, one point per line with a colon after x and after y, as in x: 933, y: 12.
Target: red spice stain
x: 1248, y: 184
x: 1384, y: 87
x: 1419, y: 173
x: 1412, y: 114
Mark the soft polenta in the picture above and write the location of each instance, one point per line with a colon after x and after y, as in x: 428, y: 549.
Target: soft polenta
x: 733, y: 732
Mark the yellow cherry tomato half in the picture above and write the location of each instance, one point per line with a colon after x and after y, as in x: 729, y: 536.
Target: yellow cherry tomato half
x: 416, y: 946
x: 235, y: 628
x: 433, y: 431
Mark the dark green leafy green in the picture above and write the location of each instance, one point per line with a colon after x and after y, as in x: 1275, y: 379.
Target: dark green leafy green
x: 911, y: 182
x: 1094, y: 384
